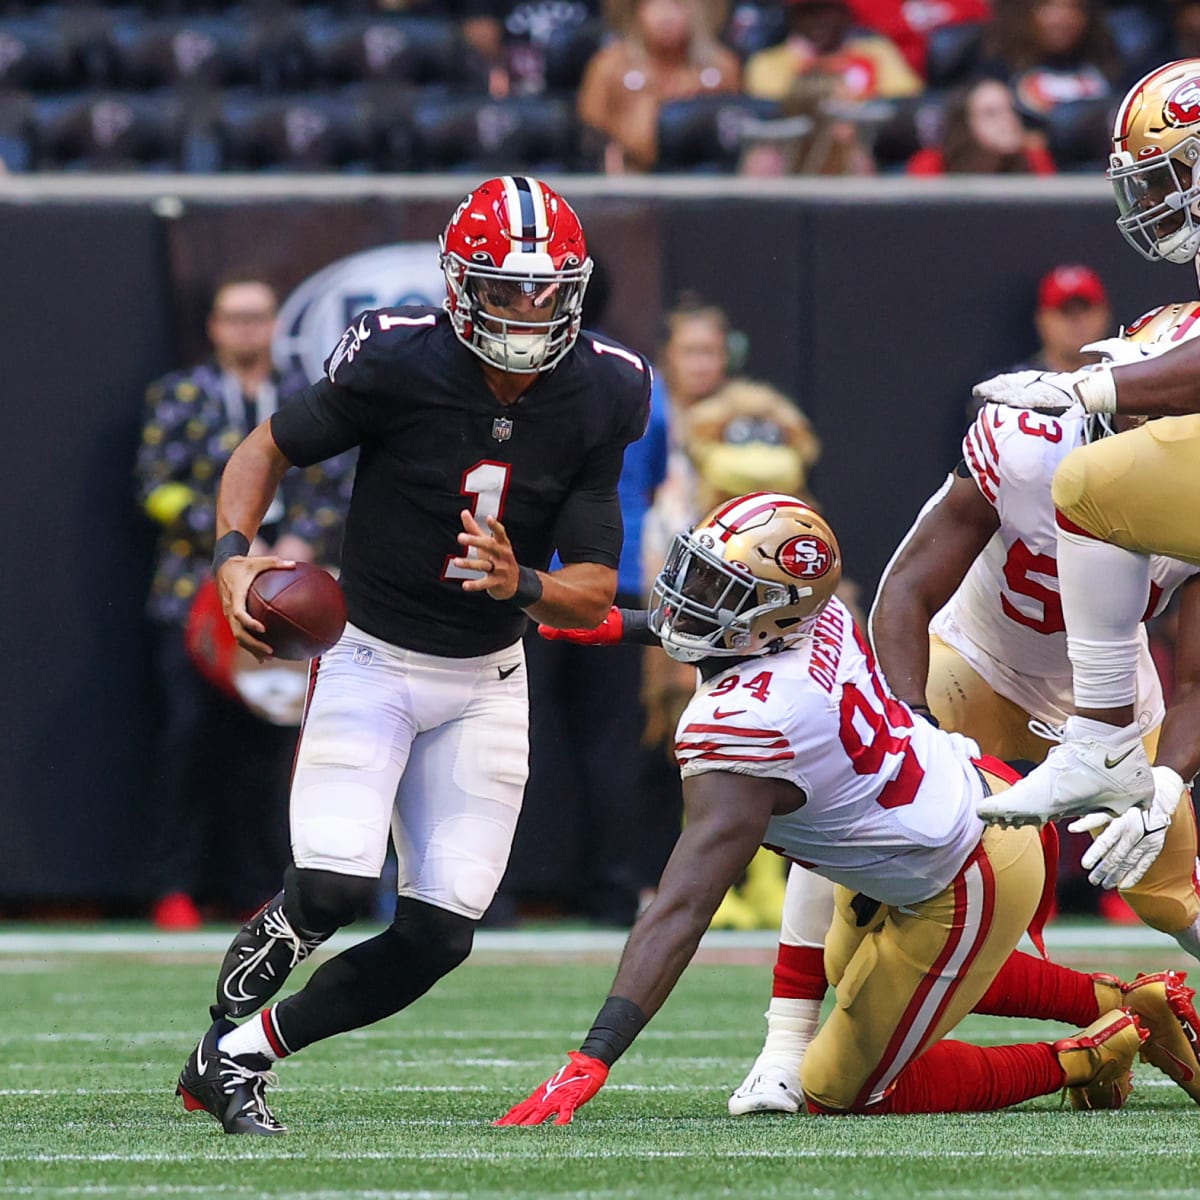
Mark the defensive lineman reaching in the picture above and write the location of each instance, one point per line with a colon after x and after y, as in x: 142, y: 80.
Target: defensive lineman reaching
x: 1129, y: 497
x: 792, y: 741
x: 490, y: 434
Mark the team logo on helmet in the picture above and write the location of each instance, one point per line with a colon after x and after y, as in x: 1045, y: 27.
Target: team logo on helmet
x: 1143, y: 321
x: 805, y: 557
x: 1182, y: 106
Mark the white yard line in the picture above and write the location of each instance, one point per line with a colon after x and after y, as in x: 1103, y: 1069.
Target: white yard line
x: 41, y: 942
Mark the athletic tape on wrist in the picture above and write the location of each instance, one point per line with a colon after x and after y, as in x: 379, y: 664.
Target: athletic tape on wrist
x: 529, y: 587
x: 1097, y: 391
x: 617, y: 1023
x: 233, y: 544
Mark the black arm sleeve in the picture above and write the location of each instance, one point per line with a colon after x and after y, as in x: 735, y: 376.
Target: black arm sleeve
x: 320, y: 421
x: 589, y: 526
x: 635, y: 628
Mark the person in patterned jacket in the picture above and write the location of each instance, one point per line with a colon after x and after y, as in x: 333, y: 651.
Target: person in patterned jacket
x: 793, y: 741
x: 194, y: 419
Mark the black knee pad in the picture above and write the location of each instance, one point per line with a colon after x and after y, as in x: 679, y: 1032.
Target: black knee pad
x: 440, y: 940
x: 322, y: 901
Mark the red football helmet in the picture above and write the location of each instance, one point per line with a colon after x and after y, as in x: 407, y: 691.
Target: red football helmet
x: 516, y: 268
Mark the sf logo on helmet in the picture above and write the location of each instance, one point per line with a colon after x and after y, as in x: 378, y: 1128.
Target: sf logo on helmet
x: 806, y: 557
x: 1183, y: 104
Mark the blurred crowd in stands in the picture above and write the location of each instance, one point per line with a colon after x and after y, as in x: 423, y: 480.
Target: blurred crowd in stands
x: 759, y: 87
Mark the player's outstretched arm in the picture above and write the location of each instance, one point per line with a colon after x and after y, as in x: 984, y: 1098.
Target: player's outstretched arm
x: 622, y: 627
x: 934, y: 556
x: 1161, y: 385
x: 726, y: 818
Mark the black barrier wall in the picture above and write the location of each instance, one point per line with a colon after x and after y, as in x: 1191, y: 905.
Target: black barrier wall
x: 875, y: 308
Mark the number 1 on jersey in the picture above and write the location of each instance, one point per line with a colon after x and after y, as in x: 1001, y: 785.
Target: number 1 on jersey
x: 487, y: 485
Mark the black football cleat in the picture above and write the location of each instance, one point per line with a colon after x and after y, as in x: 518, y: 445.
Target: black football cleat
x: 261, y: 956
x: 229, y: 1088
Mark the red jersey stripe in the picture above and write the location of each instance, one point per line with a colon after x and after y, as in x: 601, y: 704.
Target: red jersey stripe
x: 736, y: 730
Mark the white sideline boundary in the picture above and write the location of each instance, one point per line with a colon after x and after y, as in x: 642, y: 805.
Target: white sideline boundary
x: 42, y: 942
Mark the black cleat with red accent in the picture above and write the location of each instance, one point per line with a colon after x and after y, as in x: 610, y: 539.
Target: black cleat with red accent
x: 229, y: 1088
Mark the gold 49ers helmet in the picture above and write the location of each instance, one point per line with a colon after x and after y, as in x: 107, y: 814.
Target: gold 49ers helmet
x: 1168, y: 323
x: 1153, y: 166
x: 751, y: 578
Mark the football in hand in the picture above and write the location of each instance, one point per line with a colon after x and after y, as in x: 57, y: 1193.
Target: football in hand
x: 302, y: 608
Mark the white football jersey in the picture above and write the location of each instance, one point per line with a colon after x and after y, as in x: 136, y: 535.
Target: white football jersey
x: 890, y: 807
x: 1006, y: 618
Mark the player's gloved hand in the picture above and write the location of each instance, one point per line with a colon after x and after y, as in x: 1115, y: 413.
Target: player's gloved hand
x: 569, y: 1088
x: 1117, y: 351
x: 607, y: 633
x: 1052, y: 391
x: 1126, y: 850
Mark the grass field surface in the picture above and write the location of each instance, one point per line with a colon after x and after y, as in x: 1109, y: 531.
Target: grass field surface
x: 96, y: 1026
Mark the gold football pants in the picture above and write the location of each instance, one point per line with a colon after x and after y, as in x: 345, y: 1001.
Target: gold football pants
x: 906, y: 976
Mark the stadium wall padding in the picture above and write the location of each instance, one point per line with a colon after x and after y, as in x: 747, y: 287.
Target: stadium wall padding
x: 876, y: 314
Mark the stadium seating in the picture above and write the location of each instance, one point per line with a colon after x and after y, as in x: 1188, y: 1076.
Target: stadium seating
x: 567, y: 53
x: 1078, y: 133
x: 461, y: 133
x: 751, y: 27
x: 16, y: 133
x: 952, y: 52
x: 395, y: 49
x: 36, y: 54
x: 207, y: 50
x: 292, y: 133
x: 705, y: 134
x: 107, y: 131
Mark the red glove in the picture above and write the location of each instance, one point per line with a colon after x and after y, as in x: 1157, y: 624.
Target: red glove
x: 607, y: 633
x: 568, y: 1089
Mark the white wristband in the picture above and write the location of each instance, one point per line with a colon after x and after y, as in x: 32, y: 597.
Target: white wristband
x: 1097, y: 390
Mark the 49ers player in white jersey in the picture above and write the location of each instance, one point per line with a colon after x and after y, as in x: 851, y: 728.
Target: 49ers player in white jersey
x: 1123, y: 500
x: 793, y: 741
x: 978, y: 570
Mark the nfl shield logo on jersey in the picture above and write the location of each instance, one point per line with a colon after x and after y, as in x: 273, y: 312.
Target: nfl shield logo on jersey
x: 502, y: 428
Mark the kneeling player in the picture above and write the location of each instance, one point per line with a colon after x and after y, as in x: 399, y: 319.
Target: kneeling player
x: 792, y: 741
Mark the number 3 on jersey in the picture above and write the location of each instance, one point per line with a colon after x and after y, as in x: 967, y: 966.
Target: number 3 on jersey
x: 487, y: 485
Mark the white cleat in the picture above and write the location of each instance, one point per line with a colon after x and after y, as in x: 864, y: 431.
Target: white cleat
x: 1081, y: 775
x: 767, y: 1090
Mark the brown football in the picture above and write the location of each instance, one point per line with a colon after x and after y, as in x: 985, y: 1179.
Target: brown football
x: 302, y: 607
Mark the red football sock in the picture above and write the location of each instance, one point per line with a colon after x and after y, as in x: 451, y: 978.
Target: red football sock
x: 799, y: 973
x: 958, y: 1077
x: 1032, y: 987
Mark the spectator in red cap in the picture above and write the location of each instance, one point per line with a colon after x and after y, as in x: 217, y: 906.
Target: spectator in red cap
x: 1072, y: 310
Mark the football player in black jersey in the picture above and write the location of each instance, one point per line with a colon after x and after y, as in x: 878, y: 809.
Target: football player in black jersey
x: 490, y: 434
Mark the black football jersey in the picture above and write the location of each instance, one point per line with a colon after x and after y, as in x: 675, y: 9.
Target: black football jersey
x: 434, y: 439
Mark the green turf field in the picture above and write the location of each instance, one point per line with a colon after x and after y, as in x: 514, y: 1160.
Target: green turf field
x: 94, y: 1031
